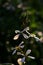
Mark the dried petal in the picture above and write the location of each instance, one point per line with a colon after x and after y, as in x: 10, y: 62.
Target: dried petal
x: 25, y: 36
x: 16, y: 36
x: 31, y: 57
x: 28, y: 51
x: 17, y: 31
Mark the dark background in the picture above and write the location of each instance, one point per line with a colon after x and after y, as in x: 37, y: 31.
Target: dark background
x: 13, y: 17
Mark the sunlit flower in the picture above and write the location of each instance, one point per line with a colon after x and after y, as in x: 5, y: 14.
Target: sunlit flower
x: 20, y: 46
x: 25, y: 55
x: 21, y: 32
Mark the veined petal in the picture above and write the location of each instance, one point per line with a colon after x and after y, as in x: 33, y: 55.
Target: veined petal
x: 28, y: 51
x: 31, y: 57
x: 16, y: 36
x: 21, y: 43
x: 14, y: 52
x: 25, y: 36
x: 17, y: 31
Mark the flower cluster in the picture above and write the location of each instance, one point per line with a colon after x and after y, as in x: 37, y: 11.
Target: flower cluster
x: 25, y: 55
x: 18, y: 33
x: 18, y: 49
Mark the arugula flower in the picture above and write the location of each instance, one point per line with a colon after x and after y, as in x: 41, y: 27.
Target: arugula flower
x: 25, y: 55
x: 20, y: 46
x: 21, y: 32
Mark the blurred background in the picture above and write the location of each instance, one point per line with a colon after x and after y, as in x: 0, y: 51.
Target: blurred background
x: 16, y: 15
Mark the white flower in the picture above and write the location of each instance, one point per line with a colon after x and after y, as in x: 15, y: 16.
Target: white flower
x: 21, y: 32
x: 20, y: 46
x: 25, y: 55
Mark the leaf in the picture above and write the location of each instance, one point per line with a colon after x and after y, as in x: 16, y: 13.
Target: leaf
x: 16, y: 36
x: 28, y: 52
x: 25, y: 36
x: 17, y: 31
x: 31, y: 57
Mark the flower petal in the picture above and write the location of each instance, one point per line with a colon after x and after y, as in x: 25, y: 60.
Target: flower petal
x: 28, y: 51
x: 14, y: 52
x: 25, y: 36
x: 23, y: 59
x: 37, y: 39
x: 27, y: 32
x: 16, y: 36
x: 19, y: 61
x: 22, y: 46
x: 27, y: 28
x: 31, y: 57
x: 19, y: 53
x: 17, y: 31
x: 21, y: 43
